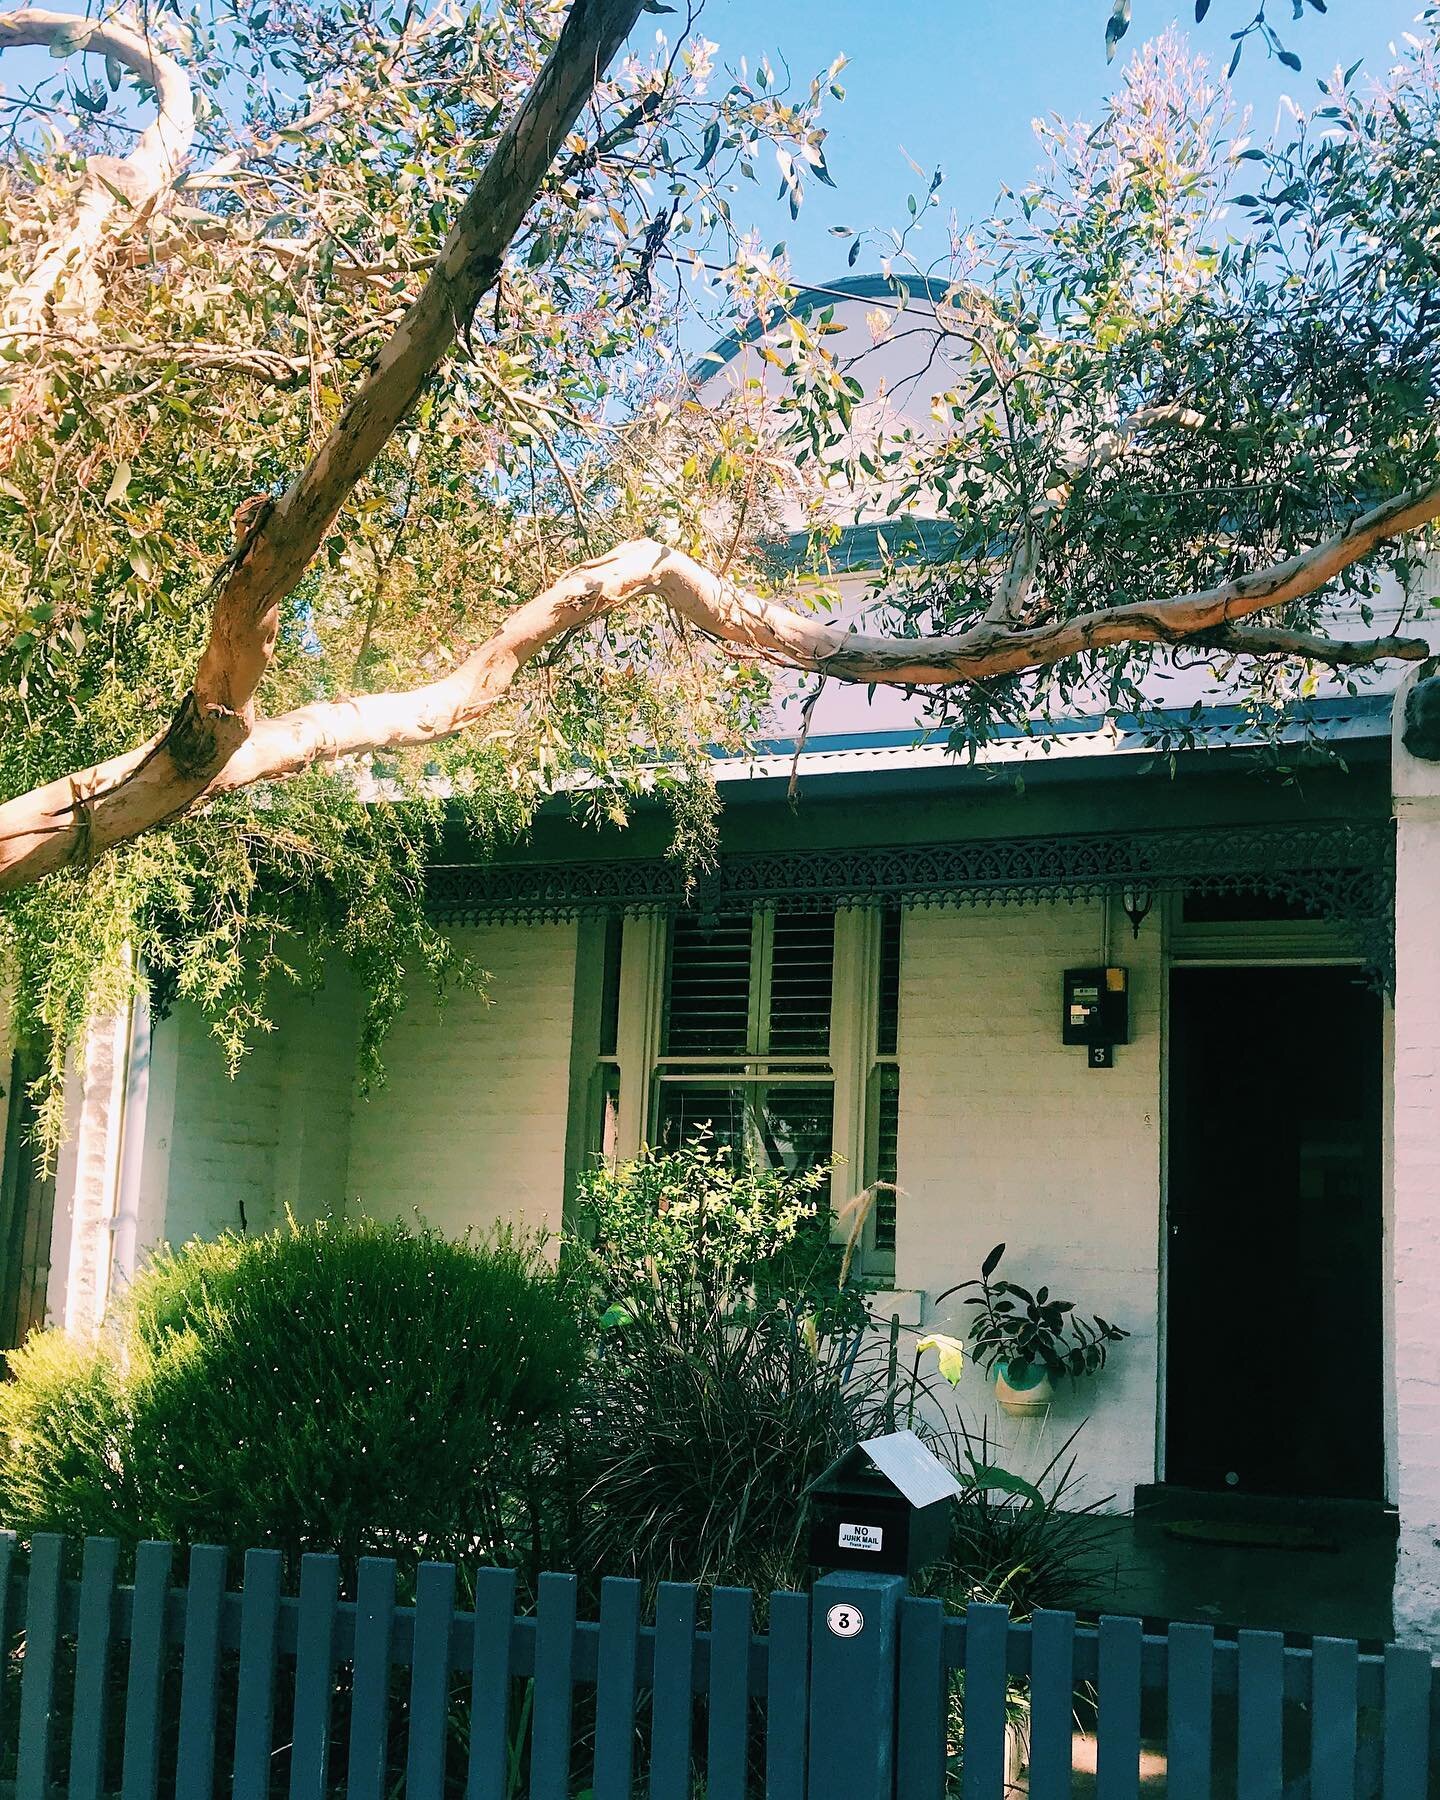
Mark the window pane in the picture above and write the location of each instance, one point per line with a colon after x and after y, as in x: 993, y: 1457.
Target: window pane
x: 610, y: 989
x: 887, y: 1141
x: 707, y: 1003
x: 888, y: 1022
x: 686, y: 1109
x: 791, y: 1126
x: 802, y: 974
x: 797, y: 1125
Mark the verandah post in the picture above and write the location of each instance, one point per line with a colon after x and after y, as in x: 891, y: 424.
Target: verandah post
x: 854, y: 1646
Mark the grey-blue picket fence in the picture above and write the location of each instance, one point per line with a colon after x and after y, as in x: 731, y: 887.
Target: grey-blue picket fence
x: 154, y: 1688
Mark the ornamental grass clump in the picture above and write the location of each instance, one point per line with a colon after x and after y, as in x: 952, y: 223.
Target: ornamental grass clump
x: 361, y: 1389
x: 729, y: 1371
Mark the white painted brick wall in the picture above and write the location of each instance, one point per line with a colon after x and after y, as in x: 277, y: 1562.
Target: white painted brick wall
x: 222, y: 1146
x: 1005, y: 1134
x: 276, y: 1135
x: 469, y: 1127
x: 1416, y: 1201
x: 85, y: 1173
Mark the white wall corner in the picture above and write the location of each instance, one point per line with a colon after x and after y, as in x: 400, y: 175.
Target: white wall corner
x: 1415, y: 1237
x: 87, y: 1175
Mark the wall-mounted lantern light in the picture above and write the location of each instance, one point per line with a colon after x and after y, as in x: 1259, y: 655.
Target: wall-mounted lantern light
x: 1137, y: 902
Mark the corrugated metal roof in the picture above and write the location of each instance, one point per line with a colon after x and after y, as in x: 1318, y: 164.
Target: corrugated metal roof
x: 1363, y: 718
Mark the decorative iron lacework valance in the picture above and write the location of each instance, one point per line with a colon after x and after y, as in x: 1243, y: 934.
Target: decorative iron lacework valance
x: 1341, y: 871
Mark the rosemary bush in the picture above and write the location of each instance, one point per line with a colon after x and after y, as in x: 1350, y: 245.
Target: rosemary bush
x: 354, y: 1388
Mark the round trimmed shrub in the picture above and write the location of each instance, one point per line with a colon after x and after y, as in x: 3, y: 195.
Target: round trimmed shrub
x: 354, y: 1388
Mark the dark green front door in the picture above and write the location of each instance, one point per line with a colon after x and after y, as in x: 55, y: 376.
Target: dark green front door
x: 1274, y: 1293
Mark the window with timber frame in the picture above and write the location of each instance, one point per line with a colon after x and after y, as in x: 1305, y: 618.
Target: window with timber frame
x: 776, y: 1032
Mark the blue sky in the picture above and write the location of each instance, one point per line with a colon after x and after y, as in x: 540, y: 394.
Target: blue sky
x: 957, y: 82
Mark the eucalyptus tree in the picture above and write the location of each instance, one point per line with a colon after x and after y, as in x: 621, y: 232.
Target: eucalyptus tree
x: 350, y: 454
x: 1255, y: 26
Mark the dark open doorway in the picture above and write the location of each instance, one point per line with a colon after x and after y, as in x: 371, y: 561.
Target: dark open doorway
x: 1274, y: 1317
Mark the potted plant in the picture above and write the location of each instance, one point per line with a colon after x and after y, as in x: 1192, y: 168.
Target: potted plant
x: 1030, y: 1341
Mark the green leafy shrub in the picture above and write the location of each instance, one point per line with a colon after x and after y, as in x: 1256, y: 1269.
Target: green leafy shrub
x: 699, y: 1234
x: 355, y: 1388
x: 64, y: 1438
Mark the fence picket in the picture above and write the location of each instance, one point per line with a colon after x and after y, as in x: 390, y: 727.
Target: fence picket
x: 37, y: 1678
x: 1259, y: 1772
x: 924, y: 1702
x: 1117, y: 1724
x: 1408, y: 1684
x: 615, y: 1689
x: 92, y: 1668
x: 1190, y: 1687
x: 430, y: 1681
x: 987, y: 1631
x: 673, y: 1713
x: 145, y: 1678
x: 728, y: 1735
x: 370, y: 1678
x: 200, y: 1674
x: 314, y: 1676
x: 1052, y: 1704
x: 7, y: 1563
x: 1334, y: 1705
x: 787, y: 1697
x: 255, y: 1682
x: 487, y: 1777
x: 554, y: 1668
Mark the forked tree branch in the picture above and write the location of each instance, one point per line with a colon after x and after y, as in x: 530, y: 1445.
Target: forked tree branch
x: 215, y: 744
x: 112, y: 802
x: 83, y: 814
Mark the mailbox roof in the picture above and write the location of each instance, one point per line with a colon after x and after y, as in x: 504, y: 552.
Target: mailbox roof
x: 916, y: 1473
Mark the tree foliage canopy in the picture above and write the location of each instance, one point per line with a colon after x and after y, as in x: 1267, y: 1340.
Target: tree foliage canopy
x: 323, y: 482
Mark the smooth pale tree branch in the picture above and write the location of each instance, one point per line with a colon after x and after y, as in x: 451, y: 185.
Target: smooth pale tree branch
x: 85, y: 813
x: 114, y: 801
x: 277, y: 553
x: 116, y: 191
x: 1310, y: 646
x: 328, y: 730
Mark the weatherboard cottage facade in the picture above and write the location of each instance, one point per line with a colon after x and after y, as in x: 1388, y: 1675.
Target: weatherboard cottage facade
x: 878, y: 975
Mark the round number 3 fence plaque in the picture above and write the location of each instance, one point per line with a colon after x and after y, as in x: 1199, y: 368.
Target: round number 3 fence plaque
x: 845, y: 1621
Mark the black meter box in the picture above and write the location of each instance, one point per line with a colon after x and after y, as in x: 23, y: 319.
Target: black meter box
x: 1096, y: 1006
x: 883, y: 1507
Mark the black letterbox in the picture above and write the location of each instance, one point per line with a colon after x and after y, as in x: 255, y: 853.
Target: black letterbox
x: 884, y: 1507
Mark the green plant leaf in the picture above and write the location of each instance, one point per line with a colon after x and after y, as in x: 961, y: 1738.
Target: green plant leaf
x: 1115, y: 27
x: 991, y: 1478
x: 949, y: 1354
